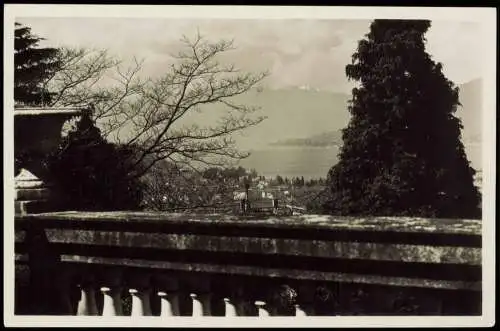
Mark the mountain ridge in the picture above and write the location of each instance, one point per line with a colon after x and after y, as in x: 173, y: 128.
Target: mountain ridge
x: 324, y: 139
x: 470, y: 99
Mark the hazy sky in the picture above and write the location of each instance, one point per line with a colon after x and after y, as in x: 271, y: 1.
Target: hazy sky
x: 297, y: 52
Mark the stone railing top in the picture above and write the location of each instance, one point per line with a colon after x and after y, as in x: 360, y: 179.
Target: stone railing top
x: 40, y: 111
x: 389, y: 251
x: 320, y: 222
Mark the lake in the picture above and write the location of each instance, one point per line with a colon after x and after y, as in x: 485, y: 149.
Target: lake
x: 312, y: 162
x: 292, y: 161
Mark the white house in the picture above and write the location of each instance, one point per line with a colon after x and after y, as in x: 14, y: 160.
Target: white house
x: 239, y: 195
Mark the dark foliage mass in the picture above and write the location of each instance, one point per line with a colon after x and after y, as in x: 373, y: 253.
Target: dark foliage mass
x: 89, y: 172
x: 402, y: 152
x: 92, y: 173
x: 33, y: 66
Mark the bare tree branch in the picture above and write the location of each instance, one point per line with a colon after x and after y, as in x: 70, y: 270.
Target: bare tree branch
x: 196, y: 80
x: 155, y: 116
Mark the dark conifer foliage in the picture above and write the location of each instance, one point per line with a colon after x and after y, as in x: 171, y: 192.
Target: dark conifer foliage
x: 93, y: 173
x: 402, y: 152
x: 33, y: 66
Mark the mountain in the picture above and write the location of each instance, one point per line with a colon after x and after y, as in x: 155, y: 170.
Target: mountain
x: 295, y: 116
x: 470, y: 96
x: 293, y: 113
x: 327, y: 114
x: 302, y: 118
x: 325, y: 139
x: 290, y: 113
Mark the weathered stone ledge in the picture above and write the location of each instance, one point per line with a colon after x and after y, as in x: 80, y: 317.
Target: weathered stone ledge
x: 40, y: 111
x: 320, y: 222
x: 291, y: 247
x: 433, y: 261
x: 374, y: 249
x: 289, y: 273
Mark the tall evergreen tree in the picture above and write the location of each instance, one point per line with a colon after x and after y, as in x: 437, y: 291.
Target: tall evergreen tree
x: 402, y: 153
x: 91, y: 173
x: 32, y: 67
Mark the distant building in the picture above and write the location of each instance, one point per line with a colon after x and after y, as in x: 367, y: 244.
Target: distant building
x: 239, y: 195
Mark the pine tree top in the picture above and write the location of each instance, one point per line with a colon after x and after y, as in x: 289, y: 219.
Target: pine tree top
x: 33, y: 65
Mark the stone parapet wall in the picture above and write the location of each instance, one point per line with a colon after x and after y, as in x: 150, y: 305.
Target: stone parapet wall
x: 436, y: 256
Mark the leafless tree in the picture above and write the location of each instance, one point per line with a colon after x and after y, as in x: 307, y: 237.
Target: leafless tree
x: 150, y: 114
x: 166, y: 187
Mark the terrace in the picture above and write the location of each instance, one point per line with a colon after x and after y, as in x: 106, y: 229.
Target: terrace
x: 174, y: 264
x: 209, y: 264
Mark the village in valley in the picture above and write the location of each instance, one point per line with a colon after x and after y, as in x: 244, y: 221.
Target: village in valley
x: 236, y: 190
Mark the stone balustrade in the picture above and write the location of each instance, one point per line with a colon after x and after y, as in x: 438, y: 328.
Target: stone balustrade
x: 165, y: 264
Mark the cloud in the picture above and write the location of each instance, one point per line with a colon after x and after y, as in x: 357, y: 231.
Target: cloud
x: 457, y: 45
x: 297, y: 52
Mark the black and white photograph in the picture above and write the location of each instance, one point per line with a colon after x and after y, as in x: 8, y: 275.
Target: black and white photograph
x: 249, y: 166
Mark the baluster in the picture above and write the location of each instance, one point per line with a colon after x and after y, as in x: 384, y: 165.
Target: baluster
x: 230, y: 308
x: 87, y: 304
x: 168, y: 287
x: 141, y: 305
x: 299, y: 311
x: 112, y: 302
x: 262, y: 311
x: 139, y: 290
x: 197, y: 307
x: 169, y: 304
x: 112, y: 290
x: 169, y: 295
x: 201, y: 304
x: 200, y: 295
